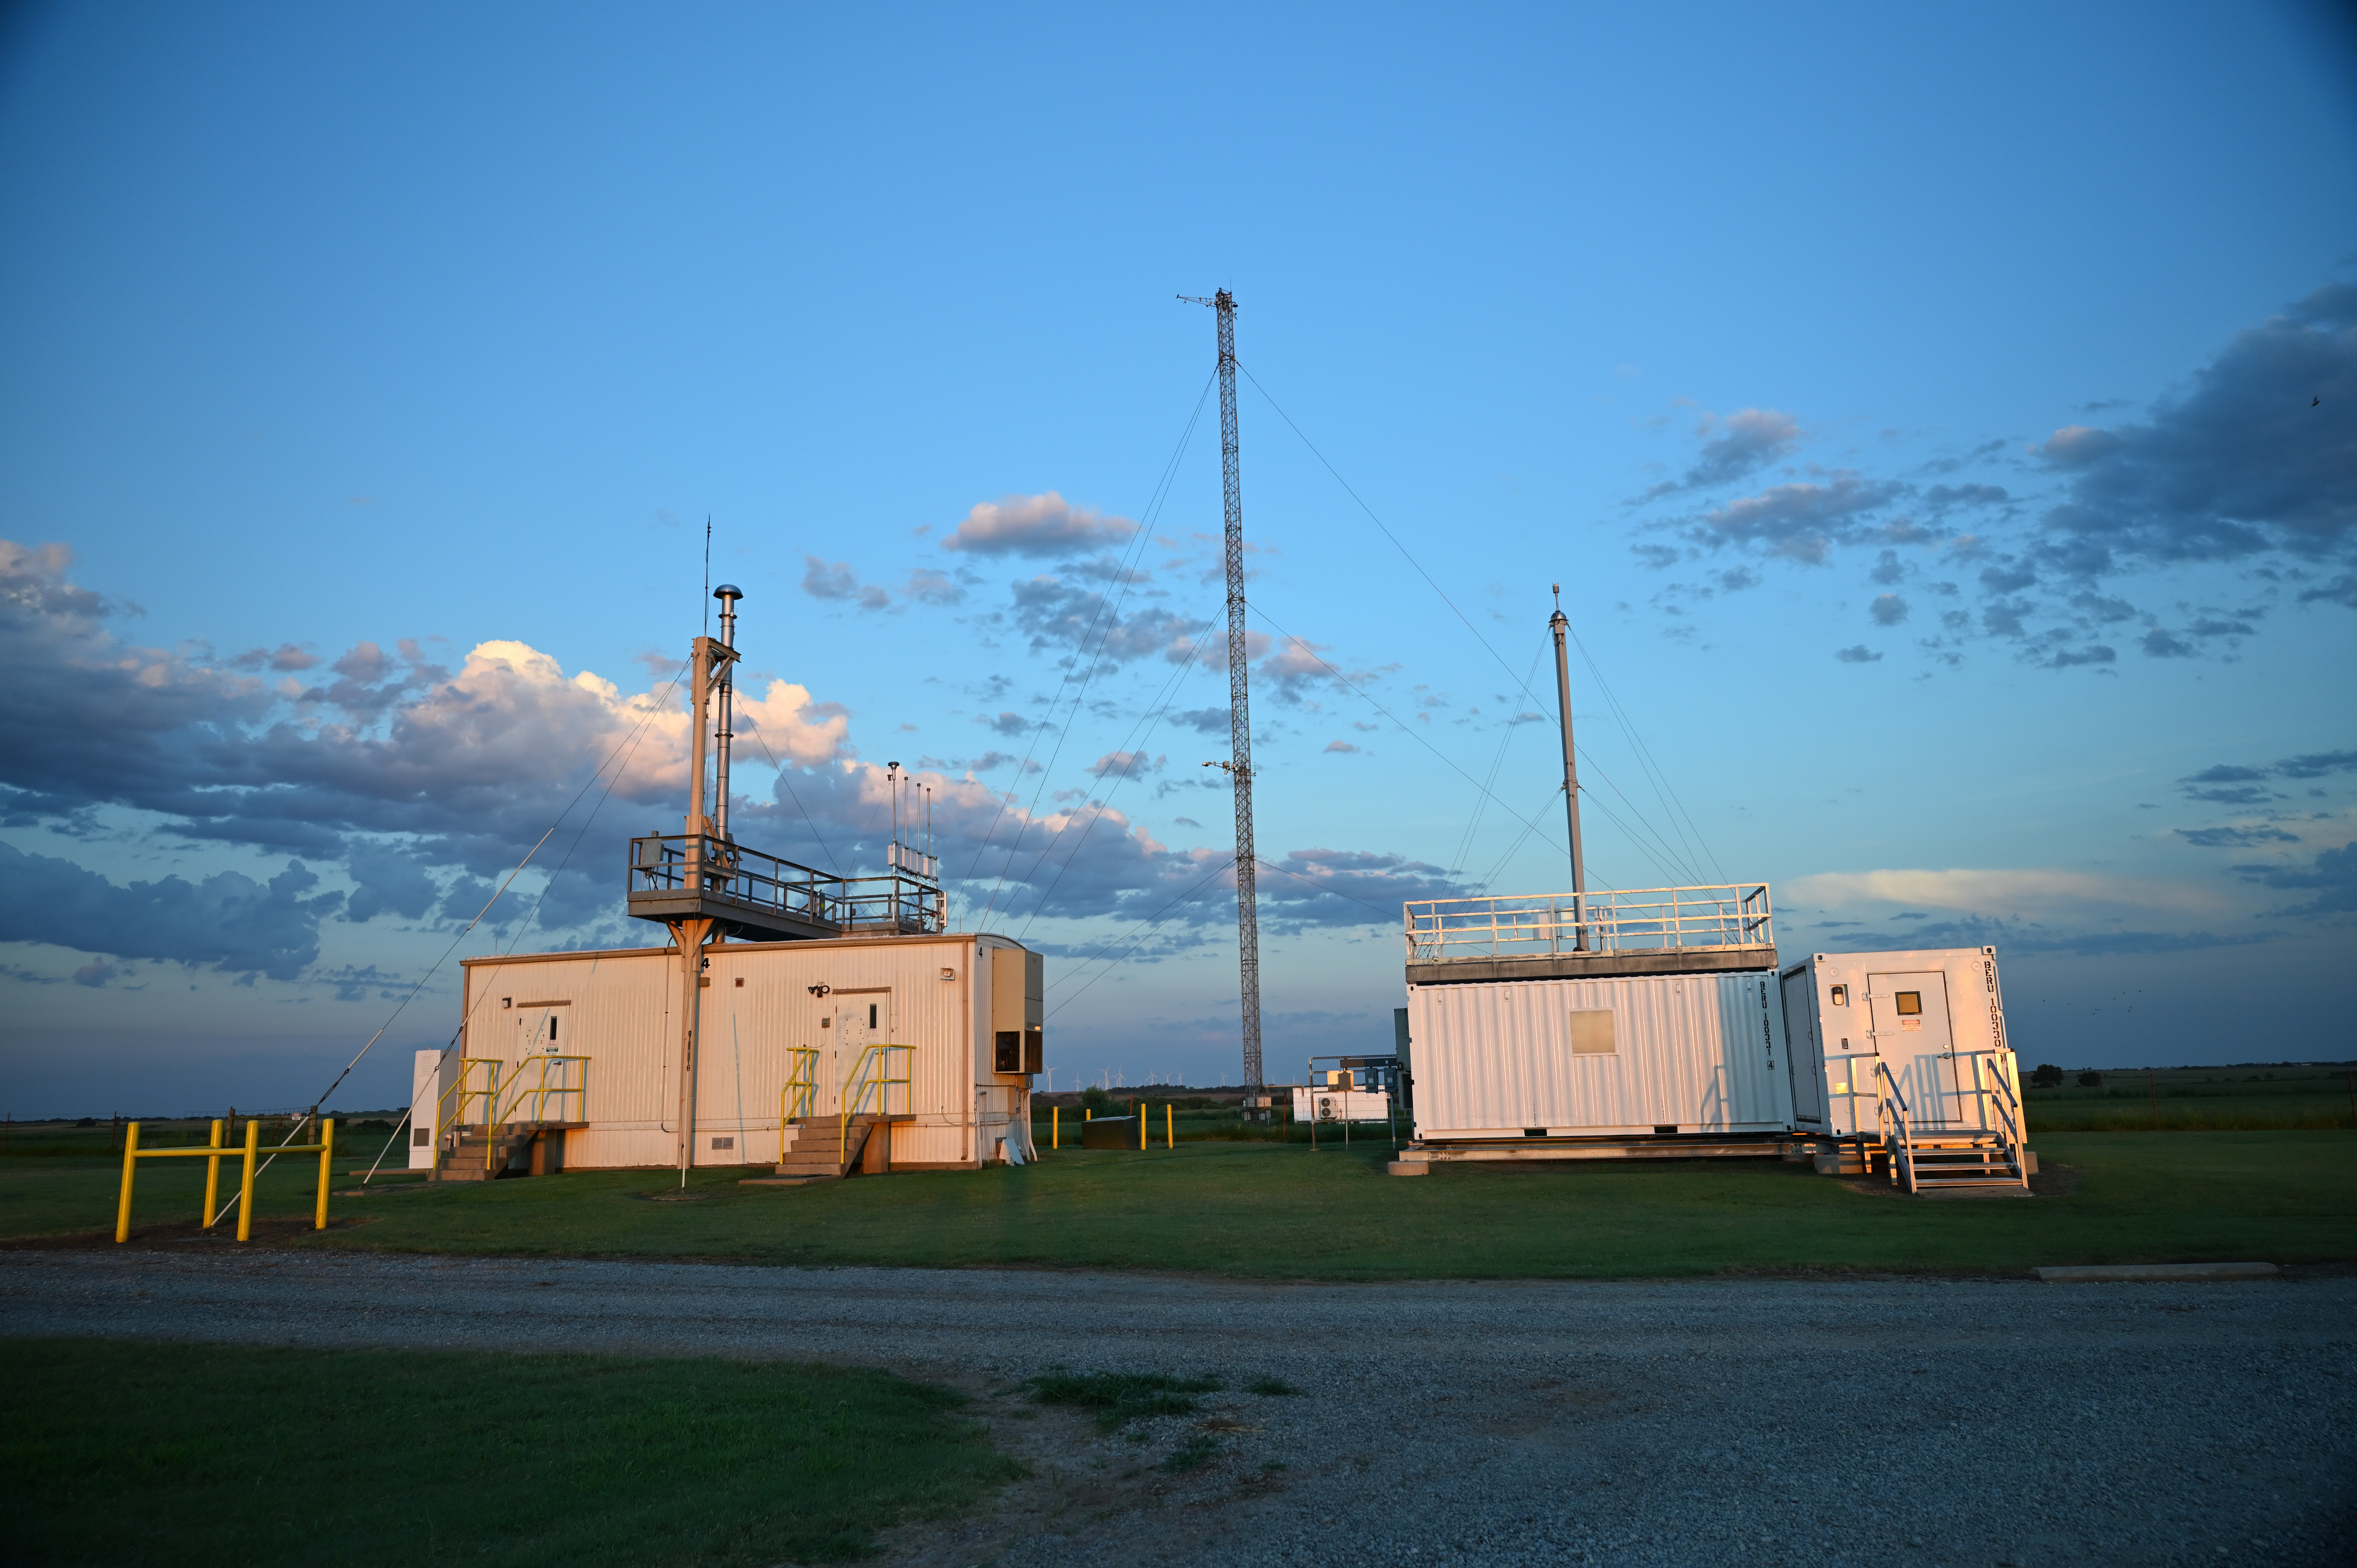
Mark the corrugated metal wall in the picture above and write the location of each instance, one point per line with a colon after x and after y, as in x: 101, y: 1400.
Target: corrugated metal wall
x: 622, y: 1009
x: 1704, y: 1053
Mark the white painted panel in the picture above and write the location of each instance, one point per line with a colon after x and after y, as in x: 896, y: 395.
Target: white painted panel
x: 1702, y: 1053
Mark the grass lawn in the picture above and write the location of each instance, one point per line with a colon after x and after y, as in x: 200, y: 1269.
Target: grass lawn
x: 118, y: 1452
x: 1276, y: 1210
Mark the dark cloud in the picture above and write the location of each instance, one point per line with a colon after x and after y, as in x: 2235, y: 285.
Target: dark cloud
x: 1058, y: 614
x: 2332, y: 875
x: 1799, y: 522
x: 1857, y: 654
x: 1203, y: 721
x: 1888, y: 609
x: 2233, y: 838
x: 2244, y: 784
x: 227, y: 923
x: 1735, y: 448
x: 930, y: 587
x: 2244, y: 463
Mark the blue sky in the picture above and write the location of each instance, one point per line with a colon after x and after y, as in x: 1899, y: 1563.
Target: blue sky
x: 1916, y: 409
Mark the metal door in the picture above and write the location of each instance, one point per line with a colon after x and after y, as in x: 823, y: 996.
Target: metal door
x: 862, y: 1018
x: 1909, y: 1017
x: 1804, y: 1057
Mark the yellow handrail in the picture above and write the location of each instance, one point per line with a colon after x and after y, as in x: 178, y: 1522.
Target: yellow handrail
x: 212, y: 1154
x: 794, y: 1099
x: 540, y: 1092
x: 857, y: 1085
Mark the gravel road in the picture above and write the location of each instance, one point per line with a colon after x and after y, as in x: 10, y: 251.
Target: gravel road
x: 1764, y: 1422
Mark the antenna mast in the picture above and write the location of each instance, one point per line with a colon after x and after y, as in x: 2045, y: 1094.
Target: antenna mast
x: 1558, y: 624
x: 1239, y: 765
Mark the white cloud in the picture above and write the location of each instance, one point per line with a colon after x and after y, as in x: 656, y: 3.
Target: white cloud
x: 1036, y: 525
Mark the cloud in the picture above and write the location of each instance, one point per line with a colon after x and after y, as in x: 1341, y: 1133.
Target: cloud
x: 1343, y: 746
x: 1057, y: 613
x: 1734, y: 449
x: 416, y: 768
x: 1009, y: 724
x: 2332, y: 875
x: 1036, y: 525
x: 2244, y: 784
x: 930, y: 587
x: 1348, y: 887
x: 1888, y: 609
x: 228, y: 922
x: 2244, y: 463
x: 839, y: 582
x: 1203, y: 721
x: 1799, y: 522
x: 1125, y: 764
x: 1990, y: 892
x: 2233, y: 838
x: 1857, y: 653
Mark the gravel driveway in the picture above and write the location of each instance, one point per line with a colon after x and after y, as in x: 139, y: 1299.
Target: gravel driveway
x: 1753, y: 1422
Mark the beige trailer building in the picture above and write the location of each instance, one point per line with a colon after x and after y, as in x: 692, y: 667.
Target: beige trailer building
x: 919, y: 1044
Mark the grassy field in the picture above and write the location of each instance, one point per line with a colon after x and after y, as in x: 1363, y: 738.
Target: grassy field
x: 208, y: 1454
x: 1277, y: 1210
x: 2197, y: 1098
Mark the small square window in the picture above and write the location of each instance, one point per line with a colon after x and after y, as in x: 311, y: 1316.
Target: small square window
x: 1841, y: 995
x: 1591, y: 1033
x: 1910, y: 1003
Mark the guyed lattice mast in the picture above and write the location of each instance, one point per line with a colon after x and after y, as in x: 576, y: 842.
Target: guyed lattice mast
x: 1239, y: 763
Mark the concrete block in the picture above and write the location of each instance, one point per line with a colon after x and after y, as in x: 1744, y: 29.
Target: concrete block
x: 2107, y: 1273
x: 1409, y: 1167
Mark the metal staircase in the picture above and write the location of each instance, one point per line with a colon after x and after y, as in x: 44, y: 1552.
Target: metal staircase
x: 827, y: 1148
x: 469, y: 1154
x: 1983, y: 1152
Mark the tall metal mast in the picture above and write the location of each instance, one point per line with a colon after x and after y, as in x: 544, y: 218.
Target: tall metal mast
x: 1558, y: 624
x: 1239, y: 763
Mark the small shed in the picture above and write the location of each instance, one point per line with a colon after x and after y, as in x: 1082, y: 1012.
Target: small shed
x: 932, y: 1038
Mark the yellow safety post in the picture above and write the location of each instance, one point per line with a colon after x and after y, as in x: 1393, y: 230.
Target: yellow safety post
x: 130, y: 1163
x: 245, y: 1186
x: 1055, y: 1127
x: 1138, y: 1109
x: 212, y: 1180
x: 327, y: 1151
x: 1170, y: 1139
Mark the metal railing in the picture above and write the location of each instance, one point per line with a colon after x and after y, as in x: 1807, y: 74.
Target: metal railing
x: 905, y: 901
x: 1892, y: 1111
x: 794, y: 1099
x: 450, y: 1107
x: 1631, y: 919
x: 870, y: 1074
x: 212, y: 1154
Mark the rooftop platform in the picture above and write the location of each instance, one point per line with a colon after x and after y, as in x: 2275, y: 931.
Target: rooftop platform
x: 761, y: 897
x: 1558, y: 936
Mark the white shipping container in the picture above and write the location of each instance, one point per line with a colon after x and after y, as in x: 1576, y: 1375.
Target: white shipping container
x: 958, y: 1001
x: 1932, y: 1018
x: 1620, y: 1056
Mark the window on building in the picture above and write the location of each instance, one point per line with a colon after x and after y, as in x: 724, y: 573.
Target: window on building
x: 1910, y: 1003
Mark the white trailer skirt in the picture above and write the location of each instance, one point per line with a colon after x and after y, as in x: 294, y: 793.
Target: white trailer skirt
x: 1631, y: 1055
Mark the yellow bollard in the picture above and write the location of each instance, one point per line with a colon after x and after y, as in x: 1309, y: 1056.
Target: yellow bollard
x: 1055, y: 1127
x: 1137, y: 1109
x: 1170, y: 1139
x: 212, y: 1180
x: 326, y: 1153
x: 245, y: 1186
x: 123, y: 1207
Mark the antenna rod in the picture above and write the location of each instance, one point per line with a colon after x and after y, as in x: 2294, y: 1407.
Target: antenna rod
x: 727, y: 593
x: 1559, y: 626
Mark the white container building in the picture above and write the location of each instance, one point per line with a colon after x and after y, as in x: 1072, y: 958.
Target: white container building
x: 1596, y: 1025
x: 1907, y: 1050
